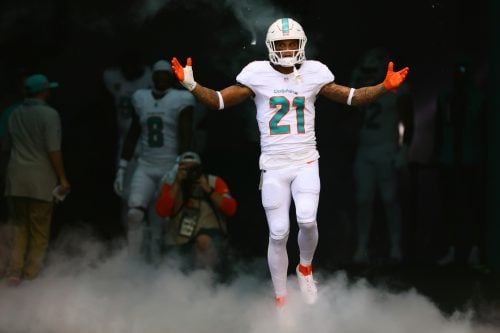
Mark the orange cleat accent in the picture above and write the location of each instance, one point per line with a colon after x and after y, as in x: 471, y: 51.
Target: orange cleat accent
x: 305, y: 270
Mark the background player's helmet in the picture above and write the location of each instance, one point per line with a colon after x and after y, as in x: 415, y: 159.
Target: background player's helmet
x: 372, y: 67
x: 286, y: 28
x: 162, y: 65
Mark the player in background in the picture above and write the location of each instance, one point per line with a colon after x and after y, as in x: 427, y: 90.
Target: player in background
x: 284, y: 90
x: 121, y: 82
x: 162, y: 126
x: 383, y: 141
x: 460, y: 149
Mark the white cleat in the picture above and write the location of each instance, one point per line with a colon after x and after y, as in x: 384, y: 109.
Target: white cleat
x: 284, y: 317
x: 307, y: 287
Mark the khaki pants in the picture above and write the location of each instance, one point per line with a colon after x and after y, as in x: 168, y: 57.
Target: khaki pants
x: 5, y: 246
x: 31, y: 231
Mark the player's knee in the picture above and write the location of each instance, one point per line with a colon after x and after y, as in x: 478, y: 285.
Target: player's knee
x: 135, y: 201
x: 278, y: 239
x: 134, y: 217
x: 306, y: 211
x: 278, y: 234
x: 204, y: 243
x: 308, y: 226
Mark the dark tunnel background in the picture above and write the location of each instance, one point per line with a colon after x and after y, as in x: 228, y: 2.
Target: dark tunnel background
x: 74, y: 41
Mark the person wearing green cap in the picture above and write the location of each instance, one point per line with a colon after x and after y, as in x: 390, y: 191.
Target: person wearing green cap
x: 35, y: 175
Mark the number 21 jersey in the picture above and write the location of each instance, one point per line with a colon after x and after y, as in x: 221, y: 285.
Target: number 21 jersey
x: 285, y: 107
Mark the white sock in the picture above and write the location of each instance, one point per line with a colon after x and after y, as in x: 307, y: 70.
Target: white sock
x: 308, y: 240
x: 277, y: 259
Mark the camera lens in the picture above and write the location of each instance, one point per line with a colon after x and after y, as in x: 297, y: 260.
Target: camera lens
x: 194, y: 173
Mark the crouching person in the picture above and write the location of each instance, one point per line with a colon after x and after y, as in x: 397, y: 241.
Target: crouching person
x: 197, y: 205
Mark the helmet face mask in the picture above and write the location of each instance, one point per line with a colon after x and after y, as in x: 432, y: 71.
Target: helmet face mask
x: 286, y: 29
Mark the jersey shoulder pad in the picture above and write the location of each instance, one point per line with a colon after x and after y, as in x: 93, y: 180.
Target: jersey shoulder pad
x: 182, y: 98
x: 252, y: 71
x: 319, y: 70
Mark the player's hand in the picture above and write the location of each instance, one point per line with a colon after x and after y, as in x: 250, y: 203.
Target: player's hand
x: 181, y: 173
x: 120, y: 177
x: 394, y: 79
x: 184, y: 74
x: 203, y: 182
x: 119, y: 180
x: 65, y: 186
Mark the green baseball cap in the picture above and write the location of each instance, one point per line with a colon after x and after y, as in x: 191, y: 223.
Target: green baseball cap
x: 38, y: 82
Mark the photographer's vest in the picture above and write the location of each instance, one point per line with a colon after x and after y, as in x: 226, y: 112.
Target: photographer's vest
x: 193, y: 216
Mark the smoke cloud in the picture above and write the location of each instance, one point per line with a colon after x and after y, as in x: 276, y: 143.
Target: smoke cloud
x: 93, y: 292
x: 254, y: 16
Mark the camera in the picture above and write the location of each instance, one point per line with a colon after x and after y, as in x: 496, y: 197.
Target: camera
x: 194, y: 173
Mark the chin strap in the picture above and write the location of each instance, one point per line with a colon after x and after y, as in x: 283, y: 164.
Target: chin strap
x: 296, y: 75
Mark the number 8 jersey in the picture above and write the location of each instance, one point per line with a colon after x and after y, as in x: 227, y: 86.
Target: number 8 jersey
x: 285, y: 110
x: 159, y: 124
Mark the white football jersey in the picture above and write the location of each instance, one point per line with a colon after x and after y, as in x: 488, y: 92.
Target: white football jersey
x: 159, y: 124
x: 121, y: 89
x: 285, y: 110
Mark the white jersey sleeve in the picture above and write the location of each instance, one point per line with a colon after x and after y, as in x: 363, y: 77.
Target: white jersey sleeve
x: 248, y: 74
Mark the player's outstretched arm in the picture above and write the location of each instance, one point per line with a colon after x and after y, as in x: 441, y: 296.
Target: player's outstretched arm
x: 366, y: 95
x: 213, y: 99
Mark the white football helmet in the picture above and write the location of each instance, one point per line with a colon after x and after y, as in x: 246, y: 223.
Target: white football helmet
x: 281, y: 29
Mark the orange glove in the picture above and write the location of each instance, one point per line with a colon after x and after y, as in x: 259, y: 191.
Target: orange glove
x: 394, y: 79
x: 184, y: 74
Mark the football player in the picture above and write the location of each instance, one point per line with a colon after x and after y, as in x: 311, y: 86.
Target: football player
x: 161, y: 125
x: 121, y: 82
x: 384, y: 138
x: 284, y: 90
